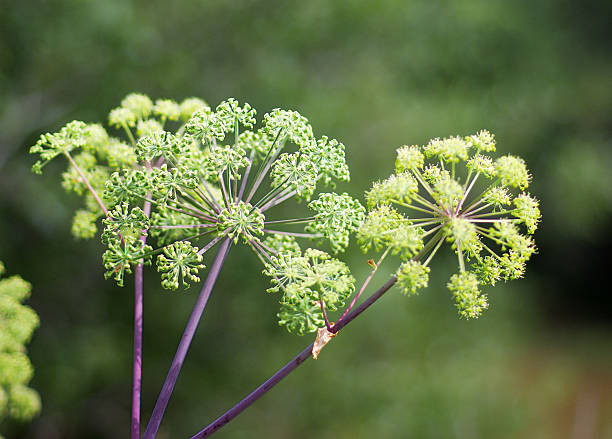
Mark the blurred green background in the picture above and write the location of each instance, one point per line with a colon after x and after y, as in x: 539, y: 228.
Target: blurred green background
x: 375, y: 75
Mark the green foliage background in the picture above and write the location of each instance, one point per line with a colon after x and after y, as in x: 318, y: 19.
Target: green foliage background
x: 375, y: 75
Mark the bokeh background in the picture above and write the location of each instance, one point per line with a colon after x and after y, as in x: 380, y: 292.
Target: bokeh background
x: 376, y: 75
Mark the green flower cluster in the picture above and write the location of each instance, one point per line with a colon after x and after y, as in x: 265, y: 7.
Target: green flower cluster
x: 456, y: 193
x: 310, y: 283
x: 179, y: 174
x: 17, y: 323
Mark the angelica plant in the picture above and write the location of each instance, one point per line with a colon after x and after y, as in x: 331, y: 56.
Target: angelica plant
x: 17, y: 323
x: 186, y: 179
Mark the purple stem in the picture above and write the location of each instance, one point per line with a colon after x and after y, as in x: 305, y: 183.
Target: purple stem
x: 209, y: 245
x: 213, y: 199
x: 277, y: 200
x: 265, y: 170
x: 322, y: 305
x: 184, y: 226
x: 181, y: 352
x: 289, y: 367
x: 137, y: 364
x: 185, y: 211
x: 246, y: 176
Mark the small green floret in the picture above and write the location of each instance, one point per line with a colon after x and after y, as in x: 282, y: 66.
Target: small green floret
x: 411, y: 276
x: 336, y: 218
x: 481, y: 164
x: 398, y: 188
x: 482, y: 141
x: 122, y: 255
x: 241, y: 220
x: 23, y: 402
x: 447, y: 192
x: 512, y: 171
x: 50, y: 145
x: 305, y: 281
x: 409, y: 158
x: 229, y: 113
x: 179, y: 261
x: 469, y: 301
x: 378, y: 228
x: 166, y: 109
x: 450, y: 150
x: 190, y: 106
x: 498, y: 197
x: 297, y: 172
x: 301, y: 315
x: 122, y: 117
x: 289, y: 124
x: 528, y: 211
x: 84, y: 224
x: 139, y: 104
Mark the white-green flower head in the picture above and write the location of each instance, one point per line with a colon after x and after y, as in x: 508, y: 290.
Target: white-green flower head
x: 482, y: 141
x: 460, y: 196
x: 449, y: 150
x: 140, y: 105
x: 148, y: 127
x: 241, y: 221
x: 167, y: 109
x: 408, y: 158
x: 190, y: 105
x: 512, y: 171
x: 401, y: 187
x: 120, y: 117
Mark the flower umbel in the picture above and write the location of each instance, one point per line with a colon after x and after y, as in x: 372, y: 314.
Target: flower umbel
x: 453, y: 192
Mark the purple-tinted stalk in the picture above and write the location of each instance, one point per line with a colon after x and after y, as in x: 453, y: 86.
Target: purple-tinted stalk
x: 246, y: 176
x: 365, y: 284
x: 137, y: 365
x: 137, y: 362
x: 181, y: 352
x: 86, y: 181
x: 277, y: 200
x: 289, y: 367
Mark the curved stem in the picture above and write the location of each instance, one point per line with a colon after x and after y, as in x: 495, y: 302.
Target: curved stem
x: 181, y: 352
x: 289, y: 367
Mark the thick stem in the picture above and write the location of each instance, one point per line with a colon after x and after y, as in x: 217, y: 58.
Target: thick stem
x: 289, y: 367
x: 137, y: 362
x: 181, y: 352
x: 137, y: 365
